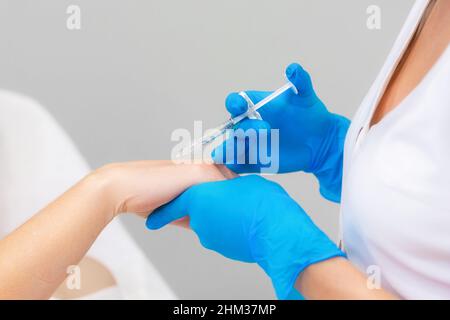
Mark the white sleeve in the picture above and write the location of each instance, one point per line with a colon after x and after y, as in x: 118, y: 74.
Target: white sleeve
x: 38, y: 162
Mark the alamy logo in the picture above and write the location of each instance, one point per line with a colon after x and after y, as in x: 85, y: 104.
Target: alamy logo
x: 74, y: 19
x: 243, y: 147
x: 73, y: 281
x: 373, y: 277
x: 374, y: 18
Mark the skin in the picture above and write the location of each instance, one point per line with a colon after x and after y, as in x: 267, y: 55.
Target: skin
x: 68, y: 226
x: 337, y: 278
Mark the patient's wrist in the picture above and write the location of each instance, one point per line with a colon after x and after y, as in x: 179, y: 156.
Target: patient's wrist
x: 99, y: 186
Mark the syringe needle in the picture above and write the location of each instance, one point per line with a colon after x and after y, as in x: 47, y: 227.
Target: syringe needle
x: 208, y: 138
x: 220, y: 130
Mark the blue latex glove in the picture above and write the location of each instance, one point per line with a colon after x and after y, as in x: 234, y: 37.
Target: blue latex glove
x: 311, y: 139
x: 251, y: 219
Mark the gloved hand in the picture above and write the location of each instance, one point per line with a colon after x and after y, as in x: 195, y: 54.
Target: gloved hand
x: 311, y: 139
x: 251, y: 219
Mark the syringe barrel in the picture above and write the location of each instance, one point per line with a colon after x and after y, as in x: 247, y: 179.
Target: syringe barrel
x: 217, y: 132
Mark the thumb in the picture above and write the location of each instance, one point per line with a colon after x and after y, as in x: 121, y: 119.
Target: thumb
x: 301, y: 79
x: 174, y: 210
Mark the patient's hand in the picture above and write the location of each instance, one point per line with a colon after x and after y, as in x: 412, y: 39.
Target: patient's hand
x: 142, y: 186
x: 34, y: 258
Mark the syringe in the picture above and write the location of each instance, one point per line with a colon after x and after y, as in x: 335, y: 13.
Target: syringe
x: 221, y: 130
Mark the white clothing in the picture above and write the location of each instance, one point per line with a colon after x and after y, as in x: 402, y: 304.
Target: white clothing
x: 395, y: 208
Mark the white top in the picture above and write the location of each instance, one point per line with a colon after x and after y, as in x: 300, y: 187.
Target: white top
x: 395, y: 212
x: 38, y: 162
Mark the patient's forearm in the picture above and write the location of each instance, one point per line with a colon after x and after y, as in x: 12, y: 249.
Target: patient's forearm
x: 35, y: 257
x: 337, y: 279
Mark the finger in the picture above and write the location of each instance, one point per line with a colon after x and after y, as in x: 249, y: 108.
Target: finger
x: 236, y: 104
x: 172, y: 211
x: 300, y: 78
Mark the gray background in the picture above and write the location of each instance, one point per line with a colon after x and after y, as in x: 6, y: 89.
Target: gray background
x: 139, y: 69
